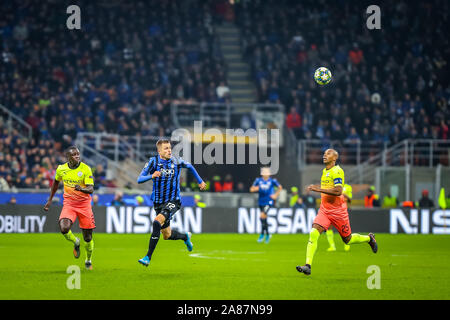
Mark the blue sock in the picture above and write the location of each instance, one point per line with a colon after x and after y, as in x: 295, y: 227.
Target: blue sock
x: 154, y: 238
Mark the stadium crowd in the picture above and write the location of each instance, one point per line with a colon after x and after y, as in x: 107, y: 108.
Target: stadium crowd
x: 129, y: 61
x: 388, y: 84
x: 118, y: 74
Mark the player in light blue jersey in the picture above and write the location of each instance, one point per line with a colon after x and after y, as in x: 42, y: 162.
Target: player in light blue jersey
x: 265, y: 187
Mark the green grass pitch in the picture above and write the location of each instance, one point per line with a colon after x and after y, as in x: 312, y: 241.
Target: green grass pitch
x: 224, y: 266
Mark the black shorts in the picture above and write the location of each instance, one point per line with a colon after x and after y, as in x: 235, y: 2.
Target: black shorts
x: 265, y: 208
x: 167, y: 209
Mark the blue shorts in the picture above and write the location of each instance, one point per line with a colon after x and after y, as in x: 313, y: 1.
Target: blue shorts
x: 265, y: 208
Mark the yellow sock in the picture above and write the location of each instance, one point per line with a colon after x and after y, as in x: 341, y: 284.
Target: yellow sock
x: 89, y: 246
x: 312, y: 245
x: 330, y: 238
x: 70, y: 237
x: 357, y: 238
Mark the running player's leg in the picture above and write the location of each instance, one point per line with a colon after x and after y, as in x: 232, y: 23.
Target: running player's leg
x: 66, y: 219
x: 330, y: 238
x: 320, y: 224
x: 349, y: 238
x: 264, y: 225
x: 87, y: 225
x: 154, y: 238
x: 89, y: 246
x: 171, y: 234
x: 169, y: 211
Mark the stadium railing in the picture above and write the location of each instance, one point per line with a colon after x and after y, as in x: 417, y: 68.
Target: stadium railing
x: 13, y: 121
x: 419, y: 152
x: 119, y: 147
x: 224, y: 115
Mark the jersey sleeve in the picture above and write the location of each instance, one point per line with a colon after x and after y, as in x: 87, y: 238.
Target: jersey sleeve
x: 255, y: 183
x: 185, y: 164
x: 276, y: 183
x: 338, y: 177
x: 58, y: 176
x: 88, y: 177
x: 348, y: 191
x: 148, y: 168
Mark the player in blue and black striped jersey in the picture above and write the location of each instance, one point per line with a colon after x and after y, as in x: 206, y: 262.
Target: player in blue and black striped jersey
x: 164, y: 169
x: 265, y: 187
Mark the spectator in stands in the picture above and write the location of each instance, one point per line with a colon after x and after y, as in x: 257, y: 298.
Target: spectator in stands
x: 294, y: 122
x: 353, y: 137
x: 217, y: 184
x: 425, y: 201
x: 240, y: 188
x: 222, y: 91
x: 118, y: 201
x: 355, y: 54
x: 362, y: 87
x: 299, y: 204
x: 228, y: 184
x: 4, y: 185
x: 309, y: 200
x: 95, y: 200
x: 371, y: 199
x: 99, y: 176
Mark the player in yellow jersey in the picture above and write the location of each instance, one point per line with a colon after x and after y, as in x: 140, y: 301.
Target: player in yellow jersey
x: 78, y: 186
x: 332, y: 211
x: 347, y: 193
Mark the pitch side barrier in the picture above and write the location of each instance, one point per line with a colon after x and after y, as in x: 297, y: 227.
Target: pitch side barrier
x: 130, y: 219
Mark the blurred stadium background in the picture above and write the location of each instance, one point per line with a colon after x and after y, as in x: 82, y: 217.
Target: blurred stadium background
x: 135, y: 72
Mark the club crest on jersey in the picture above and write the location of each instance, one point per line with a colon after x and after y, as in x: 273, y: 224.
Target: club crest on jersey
x: 80, y: 173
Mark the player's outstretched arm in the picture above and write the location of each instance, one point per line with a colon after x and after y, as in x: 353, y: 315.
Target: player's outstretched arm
x: 201, y: 183
x: 54, y: 188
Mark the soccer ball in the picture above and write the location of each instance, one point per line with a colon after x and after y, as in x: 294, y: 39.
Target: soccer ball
x: 322, y: 76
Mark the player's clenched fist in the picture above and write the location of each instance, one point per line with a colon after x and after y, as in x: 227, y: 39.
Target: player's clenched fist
x: 202, y: 185
x: 47, y: 205
x: 312, y: 187
x: 156, y: 174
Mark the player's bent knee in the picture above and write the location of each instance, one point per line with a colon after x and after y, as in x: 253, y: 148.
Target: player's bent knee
x: 157, y: 224
x: 346, y: 239
x: 64, y: 226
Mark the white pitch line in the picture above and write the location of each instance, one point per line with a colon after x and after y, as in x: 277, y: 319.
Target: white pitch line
x: 204, y: 256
